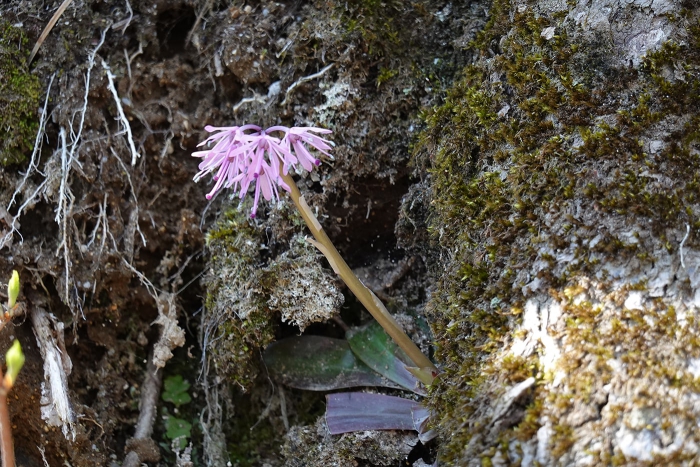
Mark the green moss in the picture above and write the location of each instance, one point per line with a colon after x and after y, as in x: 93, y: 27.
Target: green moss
x: 374, y: 21
x: 530, y: 423
x: 519, y: 138
x: 19, y: 96
x: 238, y: 319
x: 385, y: 74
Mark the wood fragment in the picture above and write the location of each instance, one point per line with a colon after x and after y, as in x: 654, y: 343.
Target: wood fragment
x: 56, y: 408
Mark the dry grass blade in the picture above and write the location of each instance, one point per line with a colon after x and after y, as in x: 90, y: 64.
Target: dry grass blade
x: 48, y: 28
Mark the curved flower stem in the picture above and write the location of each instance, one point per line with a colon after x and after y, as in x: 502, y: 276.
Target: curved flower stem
x: 363, y: 294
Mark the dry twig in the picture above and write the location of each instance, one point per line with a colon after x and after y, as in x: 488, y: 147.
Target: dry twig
x: 52, y: 22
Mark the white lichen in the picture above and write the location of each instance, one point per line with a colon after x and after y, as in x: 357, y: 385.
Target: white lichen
x: 303, y: 292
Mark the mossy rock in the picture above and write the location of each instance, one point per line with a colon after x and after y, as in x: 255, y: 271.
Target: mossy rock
x: 552, y: 166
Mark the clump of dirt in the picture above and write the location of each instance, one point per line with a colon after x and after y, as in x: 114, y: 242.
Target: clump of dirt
x: 105, y: 225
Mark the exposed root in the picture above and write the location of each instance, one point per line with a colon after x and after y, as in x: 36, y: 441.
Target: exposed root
x: 132, y: 225
x: 64, y: 206
x: 152, y: 291
x: 283, y: 407
x: 128, y: 59
x: 205, y: 9
x: 687, y: 233
x: 123, y: 24
x: 248, y: 100
x: 120, y: 110
x: 91, y: 65
x: 63, y: 209
x: 42, y: 451
x: 14, y: 227
x: 303, y: 80
x: 142, y: 448
x: 214, y: 443
x: 102, y: 225
x: 34, y: 160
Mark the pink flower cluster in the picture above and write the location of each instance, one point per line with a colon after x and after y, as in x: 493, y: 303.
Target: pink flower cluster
x: 246, y: 154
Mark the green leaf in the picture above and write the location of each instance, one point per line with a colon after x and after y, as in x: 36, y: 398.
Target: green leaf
x: 177, y: 428
x: 175, y: 390
x: 317, y: 363
x: 379, y: 352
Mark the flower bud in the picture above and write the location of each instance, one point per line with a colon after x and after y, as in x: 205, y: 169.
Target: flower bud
x: 15, y: 360
x: 12, y: 290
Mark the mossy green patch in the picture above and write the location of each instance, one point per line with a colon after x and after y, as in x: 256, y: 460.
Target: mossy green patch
x: 19, y: 96
x: 238, y: 320
x: 374, y: 21
x: 521, y: 138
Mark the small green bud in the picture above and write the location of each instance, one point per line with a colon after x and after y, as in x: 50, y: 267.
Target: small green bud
x: 15, y: 360
x: 12, y: 290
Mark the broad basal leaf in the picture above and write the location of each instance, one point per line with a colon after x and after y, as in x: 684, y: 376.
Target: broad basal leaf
x: 376, y: 349
x: 319, y: 363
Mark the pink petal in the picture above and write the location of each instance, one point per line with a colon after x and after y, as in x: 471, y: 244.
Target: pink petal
x: 264, y: 180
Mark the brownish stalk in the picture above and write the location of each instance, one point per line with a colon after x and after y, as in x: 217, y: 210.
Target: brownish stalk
x: 363, y: 294
x: 7, y: 449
